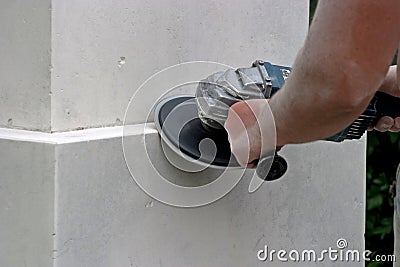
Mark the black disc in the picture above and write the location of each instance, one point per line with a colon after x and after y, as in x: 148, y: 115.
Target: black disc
x: 274, y: 171
x: 179, y: 122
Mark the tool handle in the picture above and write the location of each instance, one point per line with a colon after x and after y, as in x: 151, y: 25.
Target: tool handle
x: 381, y: 105
x: 386, y: 105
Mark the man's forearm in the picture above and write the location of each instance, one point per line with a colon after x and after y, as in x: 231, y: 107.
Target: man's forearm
x: 303, y: 116
x: 336, y: 74
x: 339, y: 69
x: 330, y: 109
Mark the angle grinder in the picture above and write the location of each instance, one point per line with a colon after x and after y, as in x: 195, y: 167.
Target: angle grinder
x: 185, y: 123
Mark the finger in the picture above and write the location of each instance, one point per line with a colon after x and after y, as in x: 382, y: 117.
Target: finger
x: 396, y: 126
x: 384, y: 124
x: 237, y: 135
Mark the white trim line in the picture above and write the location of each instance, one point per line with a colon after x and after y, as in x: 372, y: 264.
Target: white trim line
x: 76, y: 136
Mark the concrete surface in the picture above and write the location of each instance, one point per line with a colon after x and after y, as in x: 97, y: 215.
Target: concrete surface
x: 25, y: 64
x: 72, y: 64
x: 91, y: 88
x: 102, y: 218
x: 27, y: 172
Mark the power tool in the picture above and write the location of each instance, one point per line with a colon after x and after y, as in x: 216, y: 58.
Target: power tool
x: 184, y: 122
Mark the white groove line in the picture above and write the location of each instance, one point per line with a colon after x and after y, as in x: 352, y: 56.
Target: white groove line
x: 77, y: 136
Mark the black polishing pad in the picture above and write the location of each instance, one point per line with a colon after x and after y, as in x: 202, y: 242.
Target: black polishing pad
x: 179, y: 123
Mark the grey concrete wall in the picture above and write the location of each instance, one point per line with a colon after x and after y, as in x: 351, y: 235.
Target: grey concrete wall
x: 89, y: 86
x: 62, y: 69
x: 25, y: 49
x: 105, y: 219
x: 69, y: 200
x: 26, y: 203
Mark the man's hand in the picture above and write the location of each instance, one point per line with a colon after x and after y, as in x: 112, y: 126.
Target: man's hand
x: 249, y: 123
x: 389, y: 86
x: 387, y: 124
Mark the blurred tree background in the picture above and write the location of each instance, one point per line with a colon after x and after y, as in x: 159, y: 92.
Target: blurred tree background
x: 383, y: 156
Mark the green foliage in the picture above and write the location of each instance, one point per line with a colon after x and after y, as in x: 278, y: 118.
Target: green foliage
x: 383, y: 155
